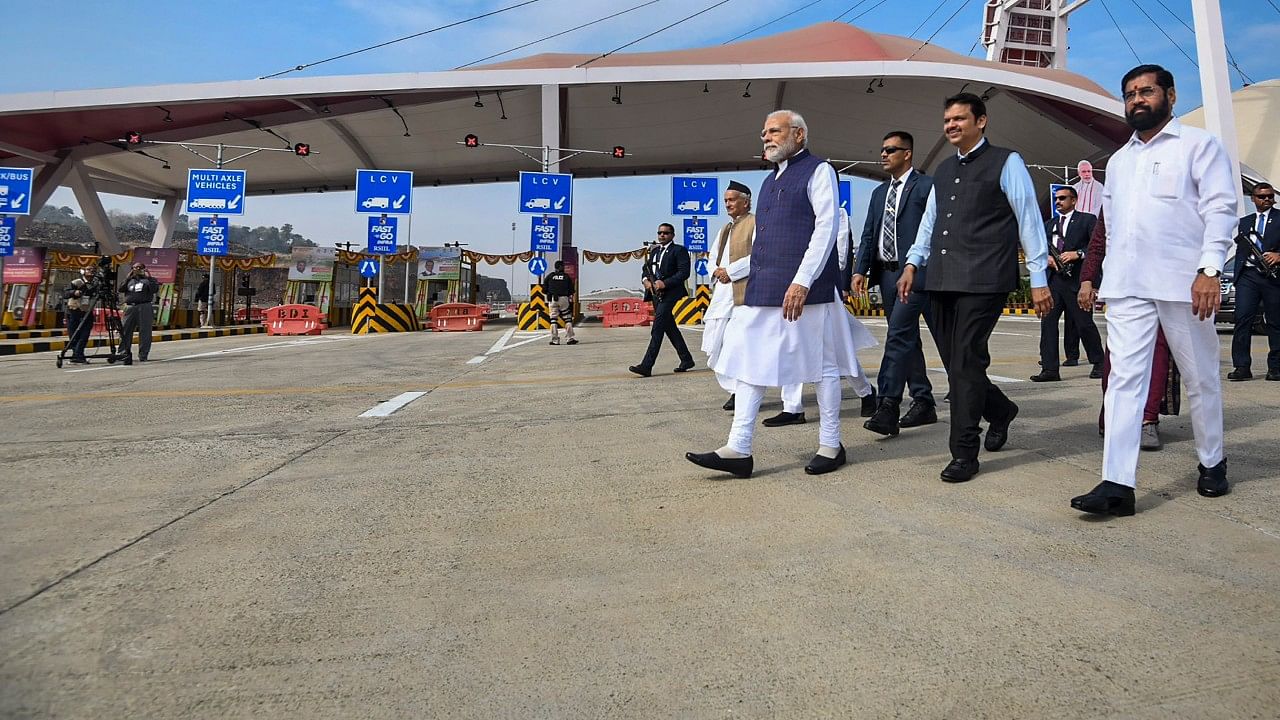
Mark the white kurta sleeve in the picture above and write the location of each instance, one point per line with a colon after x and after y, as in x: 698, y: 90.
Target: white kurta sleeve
x: 826, y: 206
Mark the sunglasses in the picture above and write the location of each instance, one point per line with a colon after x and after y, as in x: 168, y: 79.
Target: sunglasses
x: 1271, y: 196
x: 665, y: 232
x: 889, y: 150
x: 1061, y: 198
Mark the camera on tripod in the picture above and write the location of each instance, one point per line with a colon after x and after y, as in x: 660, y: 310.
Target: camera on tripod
x: 102, y: 285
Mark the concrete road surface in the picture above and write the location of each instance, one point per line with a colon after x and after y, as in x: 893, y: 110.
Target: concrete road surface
x: 236, y: 530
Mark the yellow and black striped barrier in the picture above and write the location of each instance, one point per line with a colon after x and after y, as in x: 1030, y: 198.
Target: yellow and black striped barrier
x: 535, y: 314
x: 691, y: 310
x: 369, y: 316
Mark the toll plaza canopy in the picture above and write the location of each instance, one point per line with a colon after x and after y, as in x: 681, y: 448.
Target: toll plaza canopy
x: 695, y: 110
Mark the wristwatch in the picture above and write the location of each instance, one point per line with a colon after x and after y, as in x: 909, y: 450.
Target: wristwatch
x: 1208, y: 272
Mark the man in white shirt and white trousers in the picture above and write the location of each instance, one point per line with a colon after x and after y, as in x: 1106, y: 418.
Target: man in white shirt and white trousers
x: 1170, y: 210
x: 732, y: 256
x: 792, y: 327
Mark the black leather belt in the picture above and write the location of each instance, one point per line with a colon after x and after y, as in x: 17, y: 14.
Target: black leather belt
x: 889, y: 265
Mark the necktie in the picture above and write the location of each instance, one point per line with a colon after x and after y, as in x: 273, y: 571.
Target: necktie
x: 1262, y: 228
x: 889, y: 228
x: 1062, y: 239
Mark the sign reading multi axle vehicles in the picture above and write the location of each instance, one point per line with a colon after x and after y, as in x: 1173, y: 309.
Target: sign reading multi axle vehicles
x: 15, y: 191
x: 212, y: 235
x: 215, y: 192
x: 384, y: 192
x: 694, y: 195
x: 382, y: 235
x: 545, y: 235
x: 546, y: 193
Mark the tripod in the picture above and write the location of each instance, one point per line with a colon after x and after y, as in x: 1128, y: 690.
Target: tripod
x: 106, y: 299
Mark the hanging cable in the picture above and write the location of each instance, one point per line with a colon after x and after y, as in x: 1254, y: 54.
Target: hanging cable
x: 551, y: 37
x: 1166, y: 35
x: 963, y: 5
x: 1231, y: 58
x: 851, y: 8
x: 864, y: 12
x: 780, y: 17
x: 1122, y: 35
x: 304, y: 66
x: 928, y: 17
x: 686, y: 18
x: 1273, y: 4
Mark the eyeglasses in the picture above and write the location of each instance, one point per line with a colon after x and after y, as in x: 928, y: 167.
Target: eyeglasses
x: 1061, y: 198
x: 666, y: 232
x: 889, y: 150
x: 1146, y: 93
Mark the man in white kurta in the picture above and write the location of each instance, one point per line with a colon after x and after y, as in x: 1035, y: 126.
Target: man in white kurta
x: 782, y: 336
x: 1170, y: 210
x: 729, y: 275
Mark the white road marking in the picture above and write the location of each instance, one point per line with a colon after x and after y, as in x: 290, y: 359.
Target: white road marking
x: 497, y: 346
x: 997, y: 332
x: 993, y: 378
x: 228, y: 351
x: 384, y: 409
x: 477, y: 360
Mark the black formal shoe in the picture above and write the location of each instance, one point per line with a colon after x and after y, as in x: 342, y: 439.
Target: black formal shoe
x: 728, y: 404
x: 998, y: 433
x: 640, y: 370
x: 80, y: 361
x: 1071, y: 362
x: 885, y: 419
x: 142, y: 359
x: 869, y: 404
x: 684, y: 367
x: 572, y: 341
x: 821, y: 464
x: 784, y: 418
x: 958, y: 471
x: 920, y: 413
x: 1046, y: 376
x: 1213, y: 481
x: 1096, y: 372
x: 554, y: 342
x: 1240, y: 374
x: 1107, y: 498
x: 738, y: 467
x: 1273, y: 374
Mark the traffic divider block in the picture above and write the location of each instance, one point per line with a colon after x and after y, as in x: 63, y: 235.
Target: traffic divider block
x: 294, y: 320
x: 689, y: 311
x: 533, y: 315
x: 457, y: 317
x: 627, y: 312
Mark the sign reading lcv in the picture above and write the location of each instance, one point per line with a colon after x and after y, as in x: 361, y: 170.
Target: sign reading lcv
x: 384, y: 192
x: 546, y: 193
x: 695, y: 196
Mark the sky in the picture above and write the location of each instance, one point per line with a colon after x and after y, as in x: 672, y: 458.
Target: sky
x: 78, y: 44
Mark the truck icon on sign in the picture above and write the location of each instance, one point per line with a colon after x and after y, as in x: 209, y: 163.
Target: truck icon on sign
x: 539, y: 204
x: 376, y: 202
x: 214, y: 203
x: 690, y: 205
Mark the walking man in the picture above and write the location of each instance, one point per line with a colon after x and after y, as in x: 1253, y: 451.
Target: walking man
x: 560, y: 292
x: 665, y: 270
x: 1069, y: 235
x: 732, y: 258
x: 1170, y: 207
x: 1255, y: 288
x: 792, y: 327
x: 982, y: 206
x: 893, y: 219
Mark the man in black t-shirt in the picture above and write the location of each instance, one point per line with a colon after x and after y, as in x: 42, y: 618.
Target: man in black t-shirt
x: 139, y: 290
x: 559, y: 287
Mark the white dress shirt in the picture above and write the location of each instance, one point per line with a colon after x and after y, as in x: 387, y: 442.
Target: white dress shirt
x: 1170, y: 209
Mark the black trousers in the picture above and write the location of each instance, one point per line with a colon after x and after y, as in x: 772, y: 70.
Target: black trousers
x: 963, y: 323
x: 78, y: 332
x: 1254, y: 291
x: 664, y: 324
x: 1065, y: 292
x: 137, y: 318
x: 1070, y: 338
x: 903, y: 363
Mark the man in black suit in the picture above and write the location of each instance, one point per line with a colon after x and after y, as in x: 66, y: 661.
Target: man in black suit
x: 665, y: 270
x: 893, y: 218
x: 1069, y: 235
x: 1254, y: 288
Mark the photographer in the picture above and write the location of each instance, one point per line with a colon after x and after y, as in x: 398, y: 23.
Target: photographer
x: 78, y: 298
x: 139, y: 290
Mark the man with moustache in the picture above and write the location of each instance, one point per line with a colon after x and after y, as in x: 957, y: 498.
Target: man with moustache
x: 1170, y: 207
x: 893, y: 218
x: 731, y: 255
x: 1088, y: 190
x: 792, y: 327
x: 665, y: 270
x: 983, y: 204
x: 1254, y: 289
x: 1069, y: 233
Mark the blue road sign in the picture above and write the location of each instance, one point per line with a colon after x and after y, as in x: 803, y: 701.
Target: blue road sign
x: 382, y: 235
x: 695, y: 196
x: 8, y: 231
x: 846, y: 197
x: 545, y: 235
x: 695, y: 235
x: 538, y: 266
x: 546, y: 193
x: 215, y: 192
x: 701, y: 266
x: 384, y: 192
x: 15, y: 191
x: 368, y: 268
x: 212, y: 235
